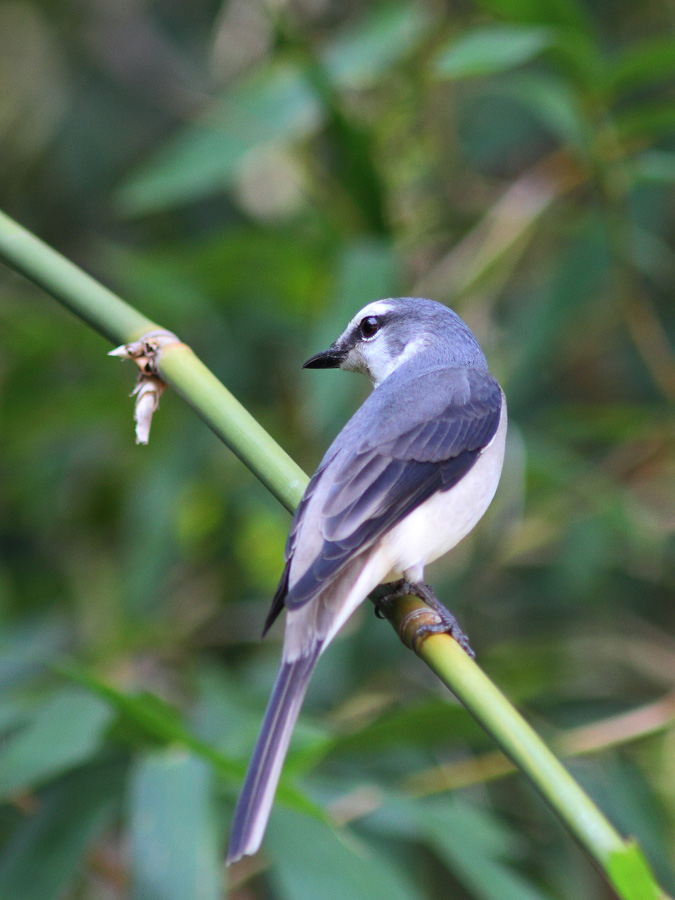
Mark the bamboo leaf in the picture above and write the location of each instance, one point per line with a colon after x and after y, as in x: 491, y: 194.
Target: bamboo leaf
x: 63, y: 734
x: 432, y: 721
x: 476, y: 847
x: 493, y: 49
x: 276, y: 104
x: 382, y: 38
x: 568, y: 13
x: 174, y: 832
x: 552, y: 100
x: 45, y: 851
x: 146, y: 716
x: 646, y: 120
x: 310, y: 861
x: 643, y: 65
x: 655, y: 166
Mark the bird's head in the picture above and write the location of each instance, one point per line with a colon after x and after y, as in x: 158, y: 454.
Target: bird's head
x: 388, y: 333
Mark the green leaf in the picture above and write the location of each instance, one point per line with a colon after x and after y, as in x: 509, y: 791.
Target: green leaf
x: 375, y: 44
x: 652, y: 121
x: 432, y: 723
x: 568, y: 13
x: 544, y: 322
x: 61, y: 735
x: 552, y: 100
x: 493, y: 49
x: 275, y: 104
x: 146, y: 716
x: 156, y: 717
x: 631, y: 875
x: 311, y: 861
x: 15, y: 711
x: 45, y: 851
x: 643, y: 65
x: 657, y: 166
x: 29, y: 647
x: 655, y: 258
x: 475, y: 844
x: 174, y: 834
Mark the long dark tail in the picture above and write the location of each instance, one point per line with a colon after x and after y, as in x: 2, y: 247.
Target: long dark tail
x: 257, y: 795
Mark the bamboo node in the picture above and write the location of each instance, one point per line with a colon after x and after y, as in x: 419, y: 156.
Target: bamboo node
x: 149, y: 386
x: 417, y: 625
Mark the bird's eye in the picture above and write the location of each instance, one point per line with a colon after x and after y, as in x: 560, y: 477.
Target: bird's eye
x: 369, y: 326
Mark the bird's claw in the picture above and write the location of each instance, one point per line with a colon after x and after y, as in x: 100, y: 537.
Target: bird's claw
x: 418, y: 624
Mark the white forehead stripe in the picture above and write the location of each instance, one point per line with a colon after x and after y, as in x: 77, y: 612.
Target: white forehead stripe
x: 378, y: 308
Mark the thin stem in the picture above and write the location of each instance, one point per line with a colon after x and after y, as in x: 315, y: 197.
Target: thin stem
x: 596, y: 737
x: 516, y: 738
x: 177, y: 364
x: 233, y: 424
x: 81, y: 293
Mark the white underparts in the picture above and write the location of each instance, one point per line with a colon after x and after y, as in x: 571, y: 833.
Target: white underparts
x: 430, y: 531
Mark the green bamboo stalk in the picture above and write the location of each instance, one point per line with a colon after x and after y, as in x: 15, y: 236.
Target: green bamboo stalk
x: 177, y: 364
x: 81, y: 293
x: 233, y: 424
x: 620, y: 860
x: 615, y: 731
x: 516, y: 738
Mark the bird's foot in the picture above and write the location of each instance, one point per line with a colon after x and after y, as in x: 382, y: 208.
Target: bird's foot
x: 442, y: 622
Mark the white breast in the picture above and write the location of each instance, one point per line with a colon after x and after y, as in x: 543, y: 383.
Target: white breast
x: 441, y: 522
x: 431, y: 530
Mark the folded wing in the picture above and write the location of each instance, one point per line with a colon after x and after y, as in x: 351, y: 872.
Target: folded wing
x: 422, y: 441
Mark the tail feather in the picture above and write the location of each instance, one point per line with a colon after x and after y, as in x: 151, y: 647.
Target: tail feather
x: 257, y: 795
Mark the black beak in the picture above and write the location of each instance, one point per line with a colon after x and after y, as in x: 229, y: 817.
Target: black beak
x: 327, y: 359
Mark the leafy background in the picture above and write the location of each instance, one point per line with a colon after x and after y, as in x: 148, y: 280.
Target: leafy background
x: 250, y: 174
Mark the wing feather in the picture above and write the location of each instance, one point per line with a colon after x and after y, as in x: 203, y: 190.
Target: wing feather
x: 406, y: 442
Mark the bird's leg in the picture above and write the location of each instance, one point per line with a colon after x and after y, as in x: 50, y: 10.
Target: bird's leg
x: 446, y: 623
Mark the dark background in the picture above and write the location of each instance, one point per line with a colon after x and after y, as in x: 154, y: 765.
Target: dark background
x: 249, y: 175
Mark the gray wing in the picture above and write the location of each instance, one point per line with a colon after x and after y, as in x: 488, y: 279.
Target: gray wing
x: 408, y: 441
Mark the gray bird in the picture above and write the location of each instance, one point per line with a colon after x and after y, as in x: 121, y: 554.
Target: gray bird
x: 406, y: 479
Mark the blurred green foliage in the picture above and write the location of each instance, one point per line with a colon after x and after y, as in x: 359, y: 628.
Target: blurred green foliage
x: 249, y: 175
